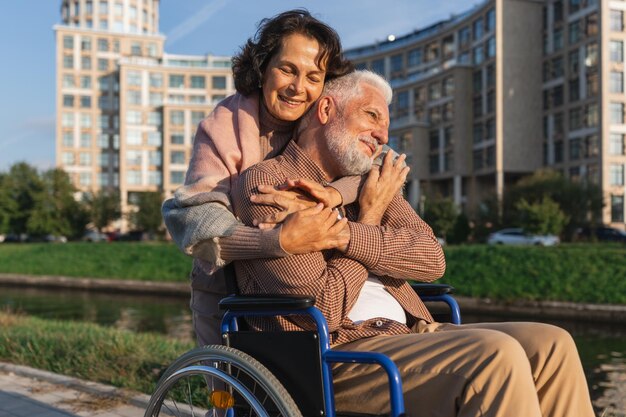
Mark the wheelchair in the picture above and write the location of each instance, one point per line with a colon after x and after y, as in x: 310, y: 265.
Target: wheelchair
x: 269, y: 374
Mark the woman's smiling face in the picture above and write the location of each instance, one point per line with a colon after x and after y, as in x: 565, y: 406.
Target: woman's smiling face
x: 292, y: 80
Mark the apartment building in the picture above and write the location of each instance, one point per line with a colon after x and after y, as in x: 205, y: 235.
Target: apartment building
x: 126, y: 110
x: 507, y: 88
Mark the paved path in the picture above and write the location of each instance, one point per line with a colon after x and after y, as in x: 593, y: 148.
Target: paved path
x: 30, y: 392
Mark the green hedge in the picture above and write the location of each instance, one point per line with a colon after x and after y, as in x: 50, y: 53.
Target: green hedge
x: 591, y: 273
x: 88, y: 351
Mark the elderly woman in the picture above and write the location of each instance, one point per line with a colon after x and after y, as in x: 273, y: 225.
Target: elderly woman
x: 278, y: 76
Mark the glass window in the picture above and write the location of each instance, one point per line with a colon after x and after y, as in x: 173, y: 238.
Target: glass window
x: 616, y: 51
x: 85, y: 140
x: 434, y: 91
x: 478, y: 106
x: 85, y: 81
x: 616, y: 144
x: 617, y: 208
x: 177, y: 81
x: 477, y: 83
x: 479, y: 55
x: 155, y: 99
x: 490, y: 21
x: 490, y: 129
x: 574, y: 149
x: 575, y: 120
x: 68, y: 42
x: 432, y: 51
x: 557, y: 39
x: 616, y: 174
x: 591, y: 24
x: 68, y: 61
x: 68, y: 100
x: 155, y: 138
x: 558, y: 10
x: 134, y: 97
x: 85, y: 120
x: 616, y: 83
x: 68, y: 158
x: 415, y: 57
x: 134, y: 137
x: 177, y: 117
x: 464, y: 36
x: 103, y: 141
x: 478, y: 28
x: 84, y: 159
x: 154, y: 157
x: 574, y: 5
x: 477, y: 132
x: 85, y: 62
x: 68, y: 139
x: 177, y: 139
x: 378, y: 66
x: 574, y: 32
x: 591, y: 115
x: 104, y: 7
x: 592, y: 83
x: 85, y: 102
x: 133, y: 117
x: 103, y: 160
x: 68, y: 81
x: 156, y: 80
x: 177, y: 177
x: 616, y: 113
x: 448, y: 86
x: 103, y: 44
x: 448, y: 46
x: 491, y: 75
x: 85, y: 44
x: 133, y: 177
x: 558, y: 151
x: 196, y: 117
x: 574, y: 90
x: 491, y: 47
x: 154, y: 177
x: 133, y: 78
x: 557, y: 67
x: 573, y: 62
x: 177, y: 157
x: 397, y: 63
x: 198, y: 81
x: 477, y: 159
x: 154, y: 118
x: 617, y: 21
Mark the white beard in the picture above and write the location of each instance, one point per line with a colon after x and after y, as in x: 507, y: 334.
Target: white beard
x: 345, y: 151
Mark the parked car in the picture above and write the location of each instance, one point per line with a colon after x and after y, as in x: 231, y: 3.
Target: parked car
x: 49, y: 238
x: 602, y: 234
x: 94, y: 236
x: 517, y: 236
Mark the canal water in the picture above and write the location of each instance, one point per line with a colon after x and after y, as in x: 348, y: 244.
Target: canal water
x: 602, y: 346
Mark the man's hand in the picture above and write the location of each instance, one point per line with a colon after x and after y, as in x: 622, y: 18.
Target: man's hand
x: 314, y: 229
x: 380, y: 187
x: 290, y: 197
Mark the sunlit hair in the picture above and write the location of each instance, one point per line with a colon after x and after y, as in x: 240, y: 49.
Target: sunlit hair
x: 348, y: 87
x: 251, y: 62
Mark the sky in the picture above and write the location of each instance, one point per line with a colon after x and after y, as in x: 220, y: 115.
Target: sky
x: 195, y: 27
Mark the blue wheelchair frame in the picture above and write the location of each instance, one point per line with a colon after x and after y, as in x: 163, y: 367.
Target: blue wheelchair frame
x: 329, y: 356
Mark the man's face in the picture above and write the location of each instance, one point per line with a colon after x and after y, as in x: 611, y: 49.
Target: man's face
x: 356, y: 133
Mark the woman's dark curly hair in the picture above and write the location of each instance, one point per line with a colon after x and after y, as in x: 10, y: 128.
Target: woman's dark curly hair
x: 250, y: 64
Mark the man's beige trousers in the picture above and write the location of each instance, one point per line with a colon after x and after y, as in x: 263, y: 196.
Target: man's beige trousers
x: 490, y: 369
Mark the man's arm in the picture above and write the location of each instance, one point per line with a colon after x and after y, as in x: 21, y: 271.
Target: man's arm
x: 333, y: 279
x: 402, y: 246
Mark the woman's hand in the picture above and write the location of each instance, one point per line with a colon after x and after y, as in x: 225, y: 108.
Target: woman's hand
x: 381, y: 185
x: 314, y: 229
x: 290, y: 197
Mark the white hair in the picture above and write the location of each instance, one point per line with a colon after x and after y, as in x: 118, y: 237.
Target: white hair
x: 348, y: 87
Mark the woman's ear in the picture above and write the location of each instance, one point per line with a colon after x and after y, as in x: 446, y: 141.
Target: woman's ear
x: 326, y: 107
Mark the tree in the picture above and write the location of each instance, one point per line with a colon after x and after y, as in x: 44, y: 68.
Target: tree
x: 440, y: 214
x: 543, y: 217
x: 461, y: 229
x: 21, y: 184
x: 148, y: 215
x: 8, y: 206
x: 103, y: 207
x: 55, y: 210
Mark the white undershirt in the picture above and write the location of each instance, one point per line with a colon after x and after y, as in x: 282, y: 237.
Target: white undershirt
x: 375, y: 301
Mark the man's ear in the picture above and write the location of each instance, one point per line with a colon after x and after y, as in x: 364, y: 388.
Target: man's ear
x: 326, y: 107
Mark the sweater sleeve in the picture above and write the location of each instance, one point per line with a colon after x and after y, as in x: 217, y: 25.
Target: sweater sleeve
x: 348, y: 188
x: 250, y: 243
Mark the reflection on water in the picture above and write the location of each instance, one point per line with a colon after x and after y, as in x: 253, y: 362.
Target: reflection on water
x: 166, y: 315
x: 602, y: 347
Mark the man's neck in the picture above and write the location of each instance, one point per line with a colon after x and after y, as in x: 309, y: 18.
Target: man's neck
x: 314, y: 148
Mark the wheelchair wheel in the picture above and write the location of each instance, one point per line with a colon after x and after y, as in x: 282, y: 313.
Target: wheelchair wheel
x: 219, y: 381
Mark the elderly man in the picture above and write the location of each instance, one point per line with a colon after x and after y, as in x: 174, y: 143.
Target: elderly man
x: 497, y: 369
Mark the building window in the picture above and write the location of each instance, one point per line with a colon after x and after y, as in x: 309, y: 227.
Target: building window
x: 135, y: 49
x: 103, y: 141
x: 616, y: 174
x: 156, y: 80
x: 616, y: 113
x: 68, y: 100
x: 464, y: 36
x: 154, y: 118
x: 103, y: 45
x: 196, y: 117
x: 591, y: 115
x: 616, y: 22
x: 574, y: 32
x: 154, y: 158
x: 573, y: 58
x: 154, y: 178
x: 415, y: 57
x: 218, y: 82
x: 177, y: 139
x: 68, y: 61
x: 433, y: 140
x: 85, y: 120
x: 104, y: 7
x: 477, y: 159
x: 558, y: 11
x: 68, y: 158
x: 68, y: 139
x: 490, y: 21
x: 103, y: 64
x: 134, y: 97
x: 68, y: 42
x: 133, y: 117
x: 478, y: 106
x: 574, y: 149
x: 448, y: 46
x: 617, y: 208
x: 133, y: 177
x: 592, y: 84
x: 591, y: 24
x: 448, y: 86
x: 133, y: 78
x: 574, y: 6
x: 85, y: 62
x: 477, y: 27
x: 616, y: 144
x: 491, y: 75
x: 616, y: 51
x: 558, y: 123
x: 557, y: 39
x: 478, y: 81
x: 177, y: 157
x: 177, y: 117
x: 491, y: 100
x: 84, y: 159
x: 478, y: 132
x: 134, y: 137
x: 177, y: 81
x: 558, y: 151
x: 616, y: 83
x: 592, y: 146
x: 575, y: 121
x: 491, y: 47
x: 155, y: 138
x: 85, y: 44
x: 432, y: 52
x: 177, y: 177
x: 198, y: 81
x: 84, y: 179
x: 434, y: 91
x: 574, y: 90
x: 397, y: 63
x: 479, y: 55
x: 378, y: 66
x: 557, y: 67
x: 103, y: 160
x: 591, y: 54
x: 85, y: 102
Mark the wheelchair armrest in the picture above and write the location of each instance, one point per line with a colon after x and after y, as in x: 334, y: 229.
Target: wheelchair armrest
x: 266, y: 302
x: 432, y: 289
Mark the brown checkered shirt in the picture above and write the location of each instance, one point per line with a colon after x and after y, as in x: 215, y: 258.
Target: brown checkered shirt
x: 402, y: 247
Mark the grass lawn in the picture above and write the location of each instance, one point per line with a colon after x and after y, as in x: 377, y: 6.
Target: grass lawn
x: 593, y: 273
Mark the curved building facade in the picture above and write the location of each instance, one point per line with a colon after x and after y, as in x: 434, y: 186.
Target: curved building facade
x: 505, y: 89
